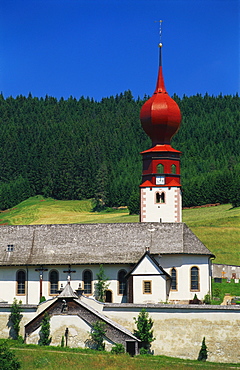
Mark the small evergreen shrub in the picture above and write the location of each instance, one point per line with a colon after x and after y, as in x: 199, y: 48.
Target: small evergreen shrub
x: 101, y: 285
x: 144, y: 330
x: 144, y: 351
x: 203, y: 351
x: 45, y: 339
x: 207, y: 299
x: 118, y: 348
x: 62, y: 341
x: 15, y: 317
x: 42, y: 299
x: 97, y: 335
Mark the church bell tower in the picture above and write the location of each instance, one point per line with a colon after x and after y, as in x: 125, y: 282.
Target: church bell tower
x: 160, y: 189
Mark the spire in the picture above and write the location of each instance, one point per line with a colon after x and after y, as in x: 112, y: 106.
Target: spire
x: 160, y: 87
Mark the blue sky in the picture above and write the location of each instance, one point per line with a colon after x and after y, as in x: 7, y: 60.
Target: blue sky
x: 99, y: 48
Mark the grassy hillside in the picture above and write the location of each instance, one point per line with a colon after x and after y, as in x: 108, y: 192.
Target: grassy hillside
x: 217, y: 227
x: 57, y: 358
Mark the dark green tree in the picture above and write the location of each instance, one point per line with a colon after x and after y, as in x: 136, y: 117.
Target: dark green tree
x: 15, y: 317
x: 134, y: 203
x: 97, y: 335
x: 45, y: 338
x: 144, y: 330
x: 203, y: 352
x: 8, y: 360
x: 101, y: 285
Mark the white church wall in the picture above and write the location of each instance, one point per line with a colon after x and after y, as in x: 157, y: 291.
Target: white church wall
x: 183, y: 265
x: 158, y: 289
x: 32, y: 287
x: 170, y: 211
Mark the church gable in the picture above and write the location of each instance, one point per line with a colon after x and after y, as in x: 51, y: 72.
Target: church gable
x: 147, y: 266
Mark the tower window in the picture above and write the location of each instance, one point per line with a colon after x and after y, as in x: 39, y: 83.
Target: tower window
x: 122, y: 282
x: 194, y: 278
x: 174, y: 279
x: 21, y: 282
x: 147, y: 287
x: 53, y: 279
x: 87, y: 282
x: 173, y: 168
x: 10, y: 248
x: 160, y: 197
x: 160, y: 168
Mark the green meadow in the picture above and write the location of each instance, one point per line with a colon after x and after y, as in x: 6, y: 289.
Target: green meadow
x: 217, y: 227
x: 55, y: 358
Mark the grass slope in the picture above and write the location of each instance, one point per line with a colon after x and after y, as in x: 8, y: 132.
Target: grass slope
x: 57, y: 358
x: 217, y: 227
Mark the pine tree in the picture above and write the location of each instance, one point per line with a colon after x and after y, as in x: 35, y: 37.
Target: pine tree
x: 144, y: 330
x: 97, y: 335
x: 101, y: 285
x: 203, y: 352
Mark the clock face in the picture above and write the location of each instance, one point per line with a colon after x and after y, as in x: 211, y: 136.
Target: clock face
x: 160, y: 180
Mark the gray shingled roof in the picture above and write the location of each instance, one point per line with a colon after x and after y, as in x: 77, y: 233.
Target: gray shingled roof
x: 94, y: 243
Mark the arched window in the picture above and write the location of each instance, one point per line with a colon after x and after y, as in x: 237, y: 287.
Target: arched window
x: 87, y: 281
x: 194, y: 278
x: 122, y: 282
x: 160, y: 168
x: 174, y: 279
x: 160, y: 197
x: 53, y: 279
x: 173, y: 168
x: 21, y: 281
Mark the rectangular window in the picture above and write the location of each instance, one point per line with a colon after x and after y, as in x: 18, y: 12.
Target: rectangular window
x: 10, y: 248
x: 147, y: 287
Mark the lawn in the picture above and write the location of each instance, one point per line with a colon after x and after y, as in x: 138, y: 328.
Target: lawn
x: 57, y: 358
x: 217, y: 227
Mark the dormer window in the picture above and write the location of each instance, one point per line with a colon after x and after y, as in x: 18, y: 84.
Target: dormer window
x: 10, y: 248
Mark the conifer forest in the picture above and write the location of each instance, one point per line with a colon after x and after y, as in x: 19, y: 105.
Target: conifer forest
x: 81, y: 148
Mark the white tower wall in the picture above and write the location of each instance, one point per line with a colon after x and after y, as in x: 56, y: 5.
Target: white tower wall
x: 168, y: 211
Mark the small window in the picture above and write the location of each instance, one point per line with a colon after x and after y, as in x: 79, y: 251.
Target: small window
x: 21, y: 282
x: 160, y: 168
x: 10, y: 247
x: 173, y: 168
x: 122, y: 282
x: 147, y: 287
x: 53, y: 279
x: 174, y: 279
x: 160, y: 197
x: 87, y: 282
x: 194, y: 278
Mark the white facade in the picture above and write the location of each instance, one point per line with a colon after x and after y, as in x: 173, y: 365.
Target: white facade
x: 169, y: 209
x: 9, y: 286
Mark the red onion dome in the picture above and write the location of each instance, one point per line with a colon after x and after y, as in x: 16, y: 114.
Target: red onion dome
x: 160, y: 115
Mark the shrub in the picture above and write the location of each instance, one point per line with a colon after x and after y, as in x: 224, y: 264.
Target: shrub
x: 15, y: 317
x: 101, y: 286
x: 207, y: 299
x: 118, y: 348
x: 45, y: 340
x: 203, y: 352
x: 62, y: 341
x: 42, y: 299
x: 8, y: 360
x: 97, y: 334
x: 144, y: 330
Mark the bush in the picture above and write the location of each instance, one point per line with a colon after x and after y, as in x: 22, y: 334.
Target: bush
x: 8, y: 360
x: 97, y: 334
x: 203, y: 352
x: 45, y: 340
x: 118, y: 348
x: 42, y: 299
x: 15, y: 317
x: 144, y: 330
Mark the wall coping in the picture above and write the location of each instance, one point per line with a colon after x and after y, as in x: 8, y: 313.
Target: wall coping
x: 176, y: 307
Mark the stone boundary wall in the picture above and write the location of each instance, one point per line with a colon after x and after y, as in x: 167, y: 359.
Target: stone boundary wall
x: 178, y: 329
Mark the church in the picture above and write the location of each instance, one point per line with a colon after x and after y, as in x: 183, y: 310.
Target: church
x: 156, y: 260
